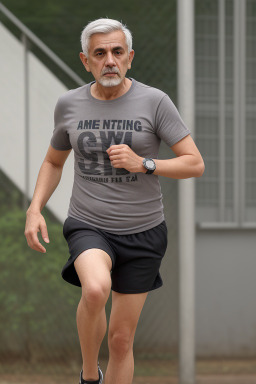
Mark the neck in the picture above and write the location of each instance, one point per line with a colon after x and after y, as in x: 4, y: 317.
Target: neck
x: 109, y: 93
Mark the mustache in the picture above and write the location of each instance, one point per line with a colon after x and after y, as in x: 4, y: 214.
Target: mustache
x: 110, y: 70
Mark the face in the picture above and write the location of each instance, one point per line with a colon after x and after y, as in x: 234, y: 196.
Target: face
x: 108, y: 59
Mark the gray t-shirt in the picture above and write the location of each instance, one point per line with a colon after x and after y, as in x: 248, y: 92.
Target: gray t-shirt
x: 115, y: 200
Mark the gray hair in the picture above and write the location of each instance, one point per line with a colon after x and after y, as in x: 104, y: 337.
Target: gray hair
x: 104, y: 26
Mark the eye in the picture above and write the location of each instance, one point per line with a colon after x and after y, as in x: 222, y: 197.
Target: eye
x: 99, y: 54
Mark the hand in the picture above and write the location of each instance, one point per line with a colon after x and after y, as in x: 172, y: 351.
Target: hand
x: 35, y: 223
x: 122, y: 156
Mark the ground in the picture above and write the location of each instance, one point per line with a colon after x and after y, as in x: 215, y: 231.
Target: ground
x: 201, y: 379
x: 239, y: 371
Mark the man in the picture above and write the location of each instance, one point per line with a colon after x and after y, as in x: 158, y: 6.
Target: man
x: 115, y: 228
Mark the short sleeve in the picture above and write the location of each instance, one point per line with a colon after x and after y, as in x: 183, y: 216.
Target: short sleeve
x: 169, y: 125
x: 60, y: 138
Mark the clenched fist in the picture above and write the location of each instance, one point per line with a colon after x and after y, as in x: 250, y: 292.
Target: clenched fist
x: 122, y: 156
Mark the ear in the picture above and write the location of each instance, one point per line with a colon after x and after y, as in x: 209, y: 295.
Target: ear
x: 131, y: 56
x: 84, y: 60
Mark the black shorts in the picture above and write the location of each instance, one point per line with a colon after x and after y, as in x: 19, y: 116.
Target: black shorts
x: 136, y: 258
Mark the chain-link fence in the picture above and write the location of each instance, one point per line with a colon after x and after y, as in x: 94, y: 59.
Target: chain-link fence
x: 225, y: 100
x: 38, y: 309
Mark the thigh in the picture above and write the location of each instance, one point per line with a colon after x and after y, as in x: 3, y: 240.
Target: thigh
x: 138, y: 260
x: 93, y: 267
x: 83, y: 237
x: 125, y: 312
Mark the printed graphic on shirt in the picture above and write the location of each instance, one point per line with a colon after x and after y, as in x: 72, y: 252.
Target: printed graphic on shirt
x: 95, y: 138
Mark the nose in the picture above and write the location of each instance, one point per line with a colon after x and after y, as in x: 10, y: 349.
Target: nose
x: 110, y: 62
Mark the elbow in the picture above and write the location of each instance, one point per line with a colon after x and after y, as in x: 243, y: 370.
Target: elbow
x: 199, y: 171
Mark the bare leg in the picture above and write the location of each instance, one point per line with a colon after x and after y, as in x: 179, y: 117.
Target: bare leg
x: 93, y: 268
x: 126, y: 310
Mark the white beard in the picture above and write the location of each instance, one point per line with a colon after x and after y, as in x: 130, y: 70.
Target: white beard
x: 105, y: 82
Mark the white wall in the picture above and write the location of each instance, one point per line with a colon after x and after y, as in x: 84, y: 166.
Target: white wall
x: 225, y: 293
x: 44, y: 90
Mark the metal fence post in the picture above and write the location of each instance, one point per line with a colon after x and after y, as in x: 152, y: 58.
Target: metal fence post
x: 26, y: 121
x: 222, y: 109
x: 239, y: 110
x: 186, y: 104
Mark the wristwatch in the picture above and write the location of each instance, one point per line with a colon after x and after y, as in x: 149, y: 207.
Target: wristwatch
x: 150, y: 165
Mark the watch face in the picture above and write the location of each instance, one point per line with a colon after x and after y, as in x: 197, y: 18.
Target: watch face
x: 150, y: 164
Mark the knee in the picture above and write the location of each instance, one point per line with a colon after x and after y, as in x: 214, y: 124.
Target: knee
x: 120, y: 342
x: 94, y: 296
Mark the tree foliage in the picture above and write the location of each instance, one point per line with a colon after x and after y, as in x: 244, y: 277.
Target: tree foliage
x: 36, y: 303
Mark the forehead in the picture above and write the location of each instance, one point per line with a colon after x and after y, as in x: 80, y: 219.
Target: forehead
x: 105, y: 40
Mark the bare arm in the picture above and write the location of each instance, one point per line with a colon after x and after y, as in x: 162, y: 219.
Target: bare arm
x: 48, y: 179
x: 188, y: 161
